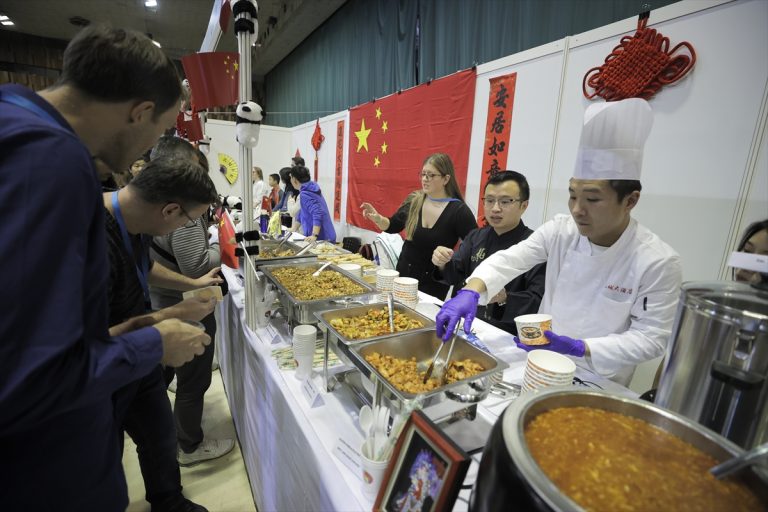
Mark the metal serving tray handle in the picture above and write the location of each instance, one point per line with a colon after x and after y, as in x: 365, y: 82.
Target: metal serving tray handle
x: 422, y: 345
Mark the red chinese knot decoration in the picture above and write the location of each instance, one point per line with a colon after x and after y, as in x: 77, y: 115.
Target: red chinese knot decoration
x: 639, y: 66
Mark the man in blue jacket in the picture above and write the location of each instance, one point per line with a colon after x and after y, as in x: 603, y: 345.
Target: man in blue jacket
x: 59, y: 367
x: 314, y: 219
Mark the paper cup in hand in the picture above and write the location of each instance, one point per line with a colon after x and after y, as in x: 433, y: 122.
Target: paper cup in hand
x: 373, y: 471
x: 304, y: 338
x: 530, y: 328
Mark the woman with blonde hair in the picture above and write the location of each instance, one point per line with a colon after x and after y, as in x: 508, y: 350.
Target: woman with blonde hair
x: 434, y: 216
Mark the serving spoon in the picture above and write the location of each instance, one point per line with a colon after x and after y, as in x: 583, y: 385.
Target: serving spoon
x: 317, y: 272
x: 734, y: 464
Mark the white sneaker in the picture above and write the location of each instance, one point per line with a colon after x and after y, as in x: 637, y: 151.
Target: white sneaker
x: 208, y: 449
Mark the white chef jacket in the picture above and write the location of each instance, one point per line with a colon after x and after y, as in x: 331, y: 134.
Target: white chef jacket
x: 621, y: 300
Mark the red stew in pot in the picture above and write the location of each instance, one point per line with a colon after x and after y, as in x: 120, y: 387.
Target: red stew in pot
x: 606, y: 461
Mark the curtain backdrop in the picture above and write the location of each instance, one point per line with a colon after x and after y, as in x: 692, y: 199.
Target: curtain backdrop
x: 366, y: 49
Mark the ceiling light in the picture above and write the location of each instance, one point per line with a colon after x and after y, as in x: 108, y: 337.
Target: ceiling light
x: 150, y: 3
x: 3, y: 17
x: 157, y: 44
x: 7, y: 22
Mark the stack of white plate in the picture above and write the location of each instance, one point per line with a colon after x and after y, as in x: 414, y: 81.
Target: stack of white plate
x: 353, y: 268
x: 545, y: 368
x: 406, y: 290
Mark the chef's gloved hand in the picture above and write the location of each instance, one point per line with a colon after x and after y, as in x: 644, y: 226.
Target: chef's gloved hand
x: 463, y: 305
x: 560, y: 344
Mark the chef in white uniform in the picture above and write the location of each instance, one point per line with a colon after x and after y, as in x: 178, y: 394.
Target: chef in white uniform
x: 612, y: 285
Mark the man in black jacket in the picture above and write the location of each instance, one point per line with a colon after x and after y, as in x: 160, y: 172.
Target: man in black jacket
x: 505, y: 200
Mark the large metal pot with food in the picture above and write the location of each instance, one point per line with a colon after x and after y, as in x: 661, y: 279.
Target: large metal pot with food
x: 566, y: 449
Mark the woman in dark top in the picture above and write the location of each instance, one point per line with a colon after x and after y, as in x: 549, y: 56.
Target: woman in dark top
x: 434, y: 216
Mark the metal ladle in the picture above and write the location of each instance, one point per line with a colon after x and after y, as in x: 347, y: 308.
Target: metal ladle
x: 734, y: 464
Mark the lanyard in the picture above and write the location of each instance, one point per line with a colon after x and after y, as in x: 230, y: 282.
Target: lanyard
x: 29, y: 105
x: 142, y: 269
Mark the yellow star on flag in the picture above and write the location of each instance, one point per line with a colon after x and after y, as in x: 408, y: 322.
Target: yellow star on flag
x: 378, y: 113
x: 362, y: 137
x: 236, y: 65
x: 376, y: 161
x: 384, y: 127
x: 384, y: 148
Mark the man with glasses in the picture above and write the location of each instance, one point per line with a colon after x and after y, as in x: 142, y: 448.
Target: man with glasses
x: 612, y: 285
x: 189, y: 252
x: 153, y: 204
x: 505, y: 200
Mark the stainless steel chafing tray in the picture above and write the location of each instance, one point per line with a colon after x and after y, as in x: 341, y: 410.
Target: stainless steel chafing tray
x: 326, y: 317
x: 422, y: 346
x: 302, y: 311
x: 266, y: 244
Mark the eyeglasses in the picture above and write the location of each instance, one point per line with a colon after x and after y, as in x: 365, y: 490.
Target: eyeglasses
x: 428, y: 176
x: 191, y: 222
x: 504, y: 202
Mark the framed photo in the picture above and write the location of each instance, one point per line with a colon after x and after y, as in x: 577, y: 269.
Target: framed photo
x: 425, y: 472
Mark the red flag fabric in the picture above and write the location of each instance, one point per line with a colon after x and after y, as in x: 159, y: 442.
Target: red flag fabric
x: 227, y: 241
x: 213, y: 78
x: 191, y: 130
x: 391, y: 137
x: 501, y: 101
x: 224, y: 15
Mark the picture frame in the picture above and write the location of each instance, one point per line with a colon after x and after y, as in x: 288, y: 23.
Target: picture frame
x: 425, y: 472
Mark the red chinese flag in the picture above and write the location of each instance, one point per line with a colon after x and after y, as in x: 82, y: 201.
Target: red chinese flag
x: 213, y: 78
x: 227, y: 241
x: 391, y: 137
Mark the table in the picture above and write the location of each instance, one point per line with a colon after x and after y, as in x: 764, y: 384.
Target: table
x: 288, y: 446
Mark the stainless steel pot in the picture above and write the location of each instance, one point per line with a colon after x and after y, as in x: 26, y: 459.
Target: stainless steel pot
x: 508, y: 474
x: 716, y: 368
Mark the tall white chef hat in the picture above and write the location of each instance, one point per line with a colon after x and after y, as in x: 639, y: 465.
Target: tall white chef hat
x: 612, y: 140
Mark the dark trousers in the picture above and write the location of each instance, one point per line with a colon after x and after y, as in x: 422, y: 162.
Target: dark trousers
x: 192, y: 381
x: 147, y: 417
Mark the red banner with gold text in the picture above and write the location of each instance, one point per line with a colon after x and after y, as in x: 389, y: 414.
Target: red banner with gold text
x: 391, y: 137
x: 339, y: 167
x: 501, y: 99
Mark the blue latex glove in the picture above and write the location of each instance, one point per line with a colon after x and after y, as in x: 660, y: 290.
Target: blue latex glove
x: 463, y: 305
x: 557, y: 343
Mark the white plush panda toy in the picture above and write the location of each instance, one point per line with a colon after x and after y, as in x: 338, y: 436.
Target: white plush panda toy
x: 249, y: 116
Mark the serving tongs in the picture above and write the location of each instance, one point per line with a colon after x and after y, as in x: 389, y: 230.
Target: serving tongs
x: 441, y: 368
x: 391, y: 309
x: 306, y: 248
x: 734, y: 464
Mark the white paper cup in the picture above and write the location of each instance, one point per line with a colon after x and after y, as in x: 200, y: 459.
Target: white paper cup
x: 544, y: 368
x: 530, y: 328
x: 373, y: 472
x: 304, y: 338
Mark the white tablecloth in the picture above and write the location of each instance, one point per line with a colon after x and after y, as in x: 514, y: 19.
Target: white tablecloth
x: 288, y: 446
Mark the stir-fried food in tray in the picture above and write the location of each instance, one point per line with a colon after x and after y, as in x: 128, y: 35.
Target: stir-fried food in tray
x: 303, y: 286
x: 375, y: 322
x: 405, y: 375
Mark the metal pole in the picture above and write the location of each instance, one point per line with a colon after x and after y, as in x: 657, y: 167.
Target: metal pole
x: 246, y: 29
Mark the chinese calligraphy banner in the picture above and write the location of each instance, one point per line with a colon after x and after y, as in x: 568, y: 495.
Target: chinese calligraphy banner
x: 213, y: 78
x: 339, y: 166
x: 501, y: 99
x: 390, y: 138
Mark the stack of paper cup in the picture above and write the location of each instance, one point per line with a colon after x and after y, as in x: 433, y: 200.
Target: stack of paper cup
x: 385, y: 281
x: 545, y: 368
x: 353, y: 268
x: 304, y: 338
x: 406, y: 290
